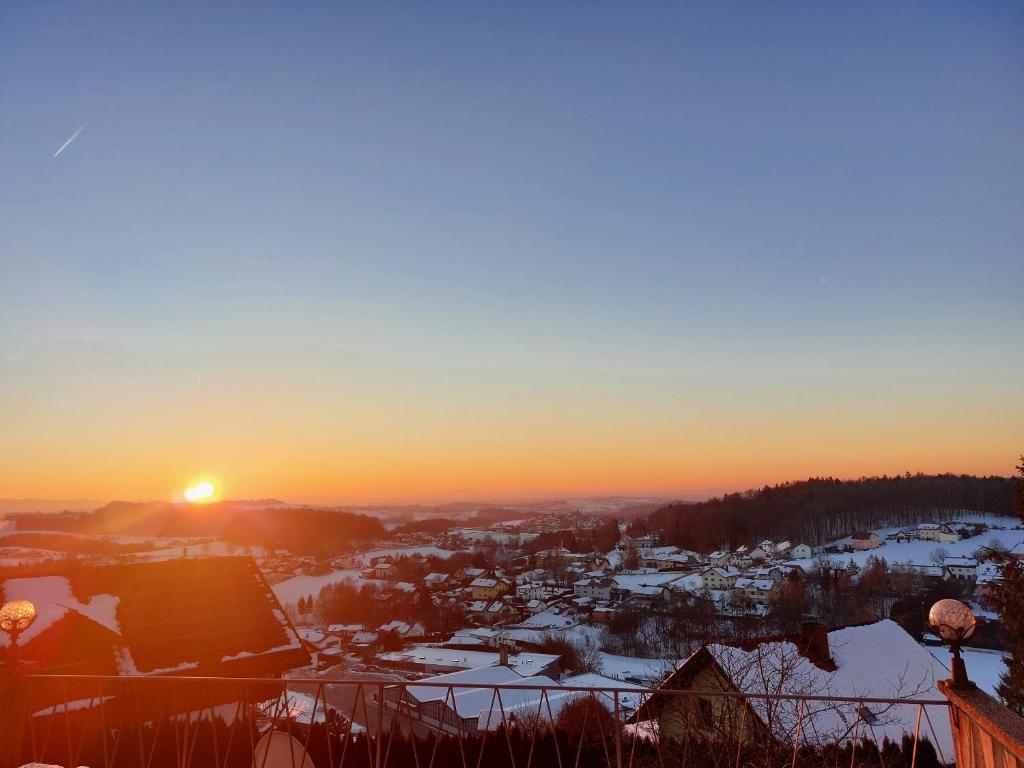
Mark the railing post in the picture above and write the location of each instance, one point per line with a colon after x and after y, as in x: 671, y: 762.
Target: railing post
x: 618, y: 732
x: 13, y: 715
x: 380, y: 725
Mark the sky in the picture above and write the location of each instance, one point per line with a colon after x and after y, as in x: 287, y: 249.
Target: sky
x: 427, y: 251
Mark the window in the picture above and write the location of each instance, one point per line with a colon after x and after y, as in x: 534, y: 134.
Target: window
x: 706, y: 712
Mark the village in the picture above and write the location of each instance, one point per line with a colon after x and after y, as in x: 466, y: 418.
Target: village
x: 441, y: 614
x: 570, y: 602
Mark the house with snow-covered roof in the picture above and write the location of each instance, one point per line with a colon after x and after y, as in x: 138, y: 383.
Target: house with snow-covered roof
x: 756, y: 590
x: 403, y: 629
x: 865, y: 540
x: 875, y: 661
x: 720, y: 557
x: 213, y: 616
x: 940, y: 532
x: 961, y: 568
x: 800, y: 552
x: 435, y: 580
x: 720, y: 578
x: 488, y: 587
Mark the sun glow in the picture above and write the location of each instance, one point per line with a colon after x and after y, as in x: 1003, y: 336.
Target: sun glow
x: 200, y: 492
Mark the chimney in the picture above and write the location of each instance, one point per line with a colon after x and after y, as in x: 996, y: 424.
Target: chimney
x: 815, y: 642
x: 503, y: 655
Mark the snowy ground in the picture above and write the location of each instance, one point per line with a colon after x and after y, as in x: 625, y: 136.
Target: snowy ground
x: 394, y: 552
x: 919, y: 552
x: 983, y: 666
x: 301, y: 586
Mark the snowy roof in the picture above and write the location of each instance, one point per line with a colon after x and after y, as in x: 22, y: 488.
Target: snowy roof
x: 524, y: 663
x: 483, y: 582
x: 960, y: 562
x: 344, y: 627
x: 725, y: 573
x: 761, y: 584
x: 157, y: 617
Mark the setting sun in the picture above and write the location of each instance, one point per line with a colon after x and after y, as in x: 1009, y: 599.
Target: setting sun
x: 200, y: 492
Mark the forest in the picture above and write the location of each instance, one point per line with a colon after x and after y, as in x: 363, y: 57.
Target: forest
x: 819, y: 510
x: 302, y: 529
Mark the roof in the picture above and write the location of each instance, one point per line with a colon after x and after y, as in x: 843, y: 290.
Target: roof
x: 960, y: 562
x: 862, y: 535
x: 483, y: 582
x: 158, y: 617
x: 525, y: 664
x: 763, y: 584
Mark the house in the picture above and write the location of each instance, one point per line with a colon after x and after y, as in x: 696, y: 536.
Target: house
x: 460, y: 703
x: 940, y: 532
x: 403, y: 629
x: 800, y: 552
x: 533, y: 590
x: 435, y: 580
x: 720, y: 557
x: 598, y: 589
x: 667, y: 558
x: 720, y: 578
x: 756, y: 590
x: 488, y: 588
x: 870, y: 661
x: 364, y: 639
x: 212, y: 616
x: 865, y: 540
x: 344, y: 631
x: 382, y: 570
x: 781, y: 549
x: 758, y: 554
x: 962, y: 568
x: 536, y: 606
x: 927, y: 570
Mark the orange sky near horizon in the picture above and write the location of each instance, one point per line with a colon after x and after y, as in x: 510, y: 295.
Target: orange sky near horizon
x: 340, y: 429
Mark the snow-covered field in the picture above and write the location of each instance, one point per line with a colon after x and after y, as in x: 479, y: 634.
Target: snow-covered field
x: 919, y: 552
x: 291, y: 590
x: 394, y: 552
x: 983, y: 667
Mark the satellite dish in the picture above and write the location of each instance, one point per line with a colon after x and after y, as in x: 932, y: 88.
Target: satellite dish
x: 277, y: 749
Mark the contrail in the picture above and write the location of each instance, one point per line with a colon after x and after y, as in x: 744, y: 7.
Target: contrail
x: 74, y: 136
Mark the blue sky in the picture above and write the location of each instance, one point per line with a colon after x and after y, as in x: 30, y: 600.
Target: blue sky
x: 738, y: 190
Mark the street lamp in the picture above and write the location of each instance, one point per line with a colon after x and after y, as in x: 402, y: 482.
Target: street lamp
x: 15, y: 618
x: 954, y: 622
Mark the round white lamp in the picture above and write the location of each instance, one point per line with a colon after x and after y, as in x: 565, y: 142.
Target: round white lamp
x: 954, y: 622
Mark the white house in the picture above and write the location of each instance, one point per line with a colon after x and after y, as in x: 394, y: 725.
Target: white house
x: 598, y: 589
x: 964, y: 568
x: 939, y: 532
x: 801, y: 552
x: 720, y: 557
x: 720, y: 578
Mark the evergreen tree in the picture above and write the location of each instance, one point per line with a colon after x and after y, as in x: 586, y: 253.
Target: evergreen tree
x: 1007, y: 598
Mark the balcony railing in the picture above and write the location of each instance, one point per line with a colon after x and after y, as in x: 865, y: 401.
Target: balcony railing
x: 119, y: 721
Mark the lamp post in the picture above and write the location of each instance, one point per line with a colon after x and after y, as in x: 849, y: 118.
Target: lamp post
x: 15, y: 617
x: 954, y: 622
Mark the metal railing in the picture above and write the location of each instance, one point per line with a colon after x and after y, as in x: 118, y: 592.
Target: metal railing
x: 153, y: 722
